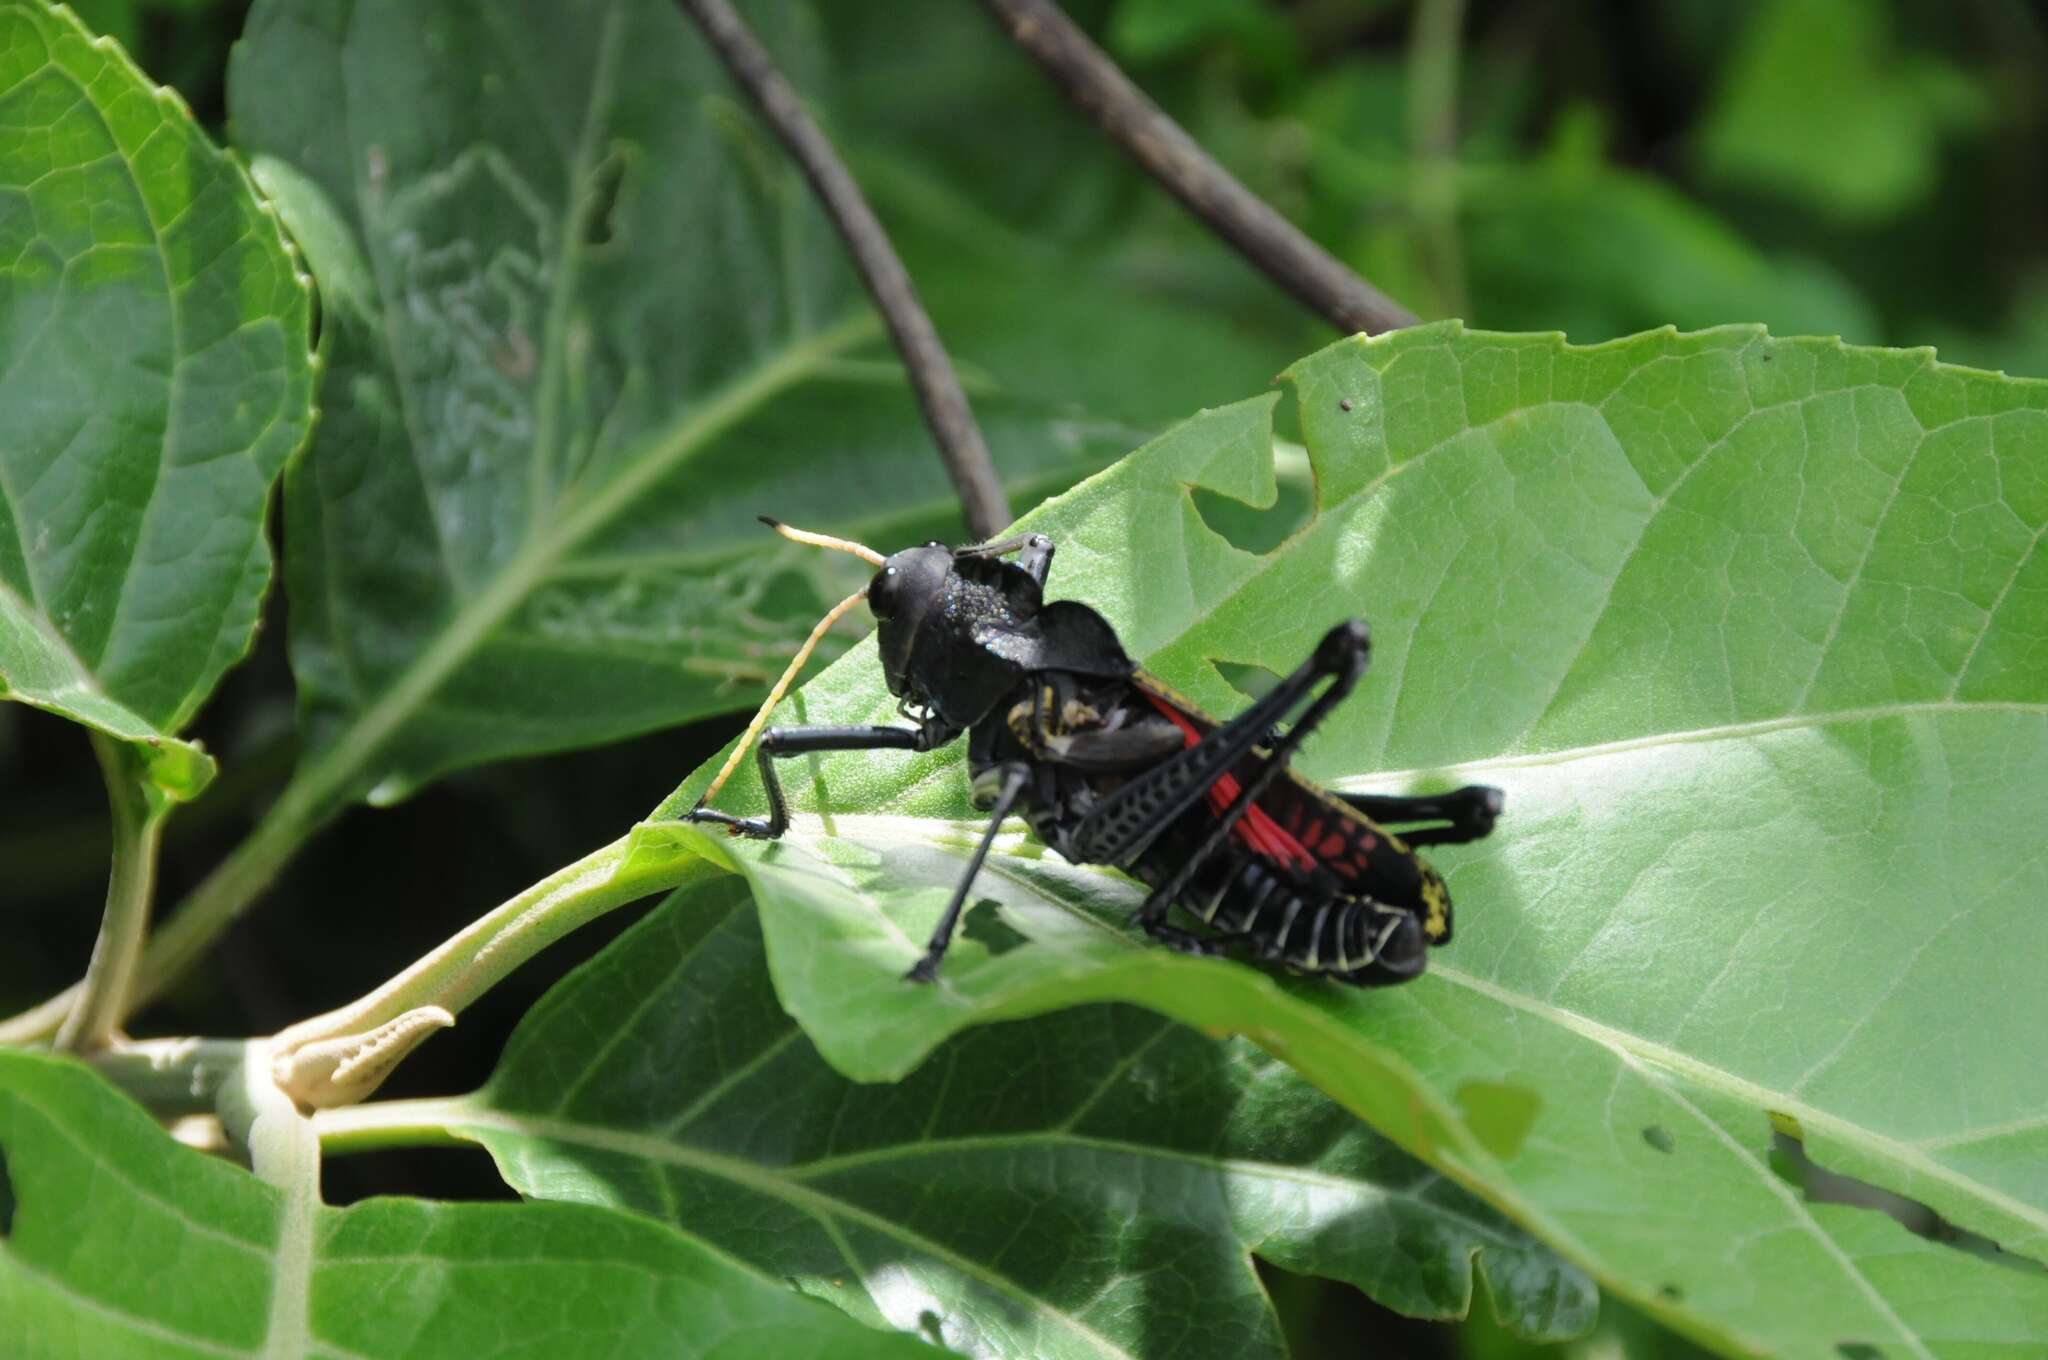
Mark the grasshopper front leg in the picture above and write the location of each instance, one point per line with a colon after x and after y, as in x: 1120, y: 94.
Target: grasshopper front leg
x: 779, y: 742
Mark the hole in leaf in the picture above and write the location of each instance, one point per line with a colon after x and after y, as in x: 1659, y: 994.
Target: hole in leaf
x: 1659, y: 1137
x: 6, y: 1197
x: 1858, y: 1350
x: 1252, y: 681
x: 984, y: 925
x: 464, y: 1173
x: 1261, y: 531
x: 1822, y: 1186
x: 929, y: 1323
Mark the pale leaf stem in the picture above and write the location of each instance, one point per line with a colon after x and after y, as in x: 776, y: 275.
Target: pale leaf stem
x: 341, y: 1057
x: 138, y: 820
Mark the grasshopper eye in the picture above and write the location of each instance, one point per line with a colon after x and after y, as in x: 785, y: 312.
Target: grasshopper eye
x: 883, y: 592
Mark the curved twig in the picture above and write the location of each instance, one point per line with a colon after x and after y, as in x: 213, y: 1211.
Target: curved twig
x: 1191, y: 175
x: 945, y: 406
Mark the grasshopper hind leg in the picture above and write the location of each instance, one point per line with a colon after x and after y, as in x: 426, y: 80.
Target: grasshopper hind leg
x: 1470, y: 812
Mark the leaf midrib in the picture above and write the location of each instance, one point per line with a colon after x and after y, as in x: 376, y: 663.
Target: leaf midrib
x: 1278, y: 556
x: 1721, y: 732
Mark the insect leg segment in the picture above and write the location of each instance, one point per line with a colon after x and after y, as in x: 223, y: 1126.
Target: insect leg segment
x: 1331, y: 658
x: 778, y: 742
x: 1470, y: 811
x: 1011, y: 780
x: 1036, y: 557
x: 1034, y: 553
x: 1117, y: 830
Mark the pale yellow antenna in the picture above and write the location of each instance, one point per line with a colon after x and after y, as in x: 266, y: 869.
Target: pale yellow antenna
x: 803, y: 653
x: 845, y: 545
x: 796, y: 663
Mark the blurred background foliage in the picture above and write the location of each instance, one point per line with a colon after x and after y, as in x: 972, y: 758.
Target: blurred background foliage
x: 1867, y: 168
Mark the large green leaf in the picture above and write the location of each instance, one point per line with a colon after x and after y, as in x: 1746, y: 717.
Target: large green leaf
x: 154, y: 376
x: 1754, y: 633
x: 116, y: 1241
x: 580, y: 322
x: 1088, y: 1184
x: 584, y: 325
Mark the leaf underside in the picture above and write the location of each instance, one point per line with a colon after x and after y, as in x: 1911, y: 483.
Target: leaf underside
x: 578, y: 339
x: 1754, y: 634
x: 154, y: 376
x: 1088, y: 1184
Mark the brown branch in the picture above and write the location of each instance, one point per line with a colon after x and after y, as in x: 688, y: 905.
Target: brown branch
x: 945, y: 406
x: 1191, y: 175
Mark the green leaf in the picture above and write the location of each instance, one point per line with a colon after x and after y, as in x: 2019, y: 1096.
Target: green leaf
x: 117, y: 1241
x: 1754, y: 634
x: 154, y: 377
x: 1088, y: 1184
x: 580, y: 337
x: 1818, y: 106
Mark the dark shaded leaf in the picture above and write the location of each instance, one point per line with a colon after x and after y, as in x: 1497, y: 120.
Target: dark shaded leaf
x: 126, y: 1243
x: 1088, y: 1184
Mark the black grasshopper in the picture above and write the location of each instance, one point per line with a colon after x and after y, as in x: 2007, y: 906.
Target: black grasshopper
x: 1109, y: 766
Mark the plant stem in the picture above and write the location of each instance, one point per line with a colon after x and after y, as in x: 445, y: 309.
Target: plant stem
x: 138, y: 817
x: 171, y: 1077
x: 40, y: 1023
x: 1190, y: 174
x: 1433, y: 130
x: 939, y: 396
x: 389, y: 1123
x: 340, y: 1057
